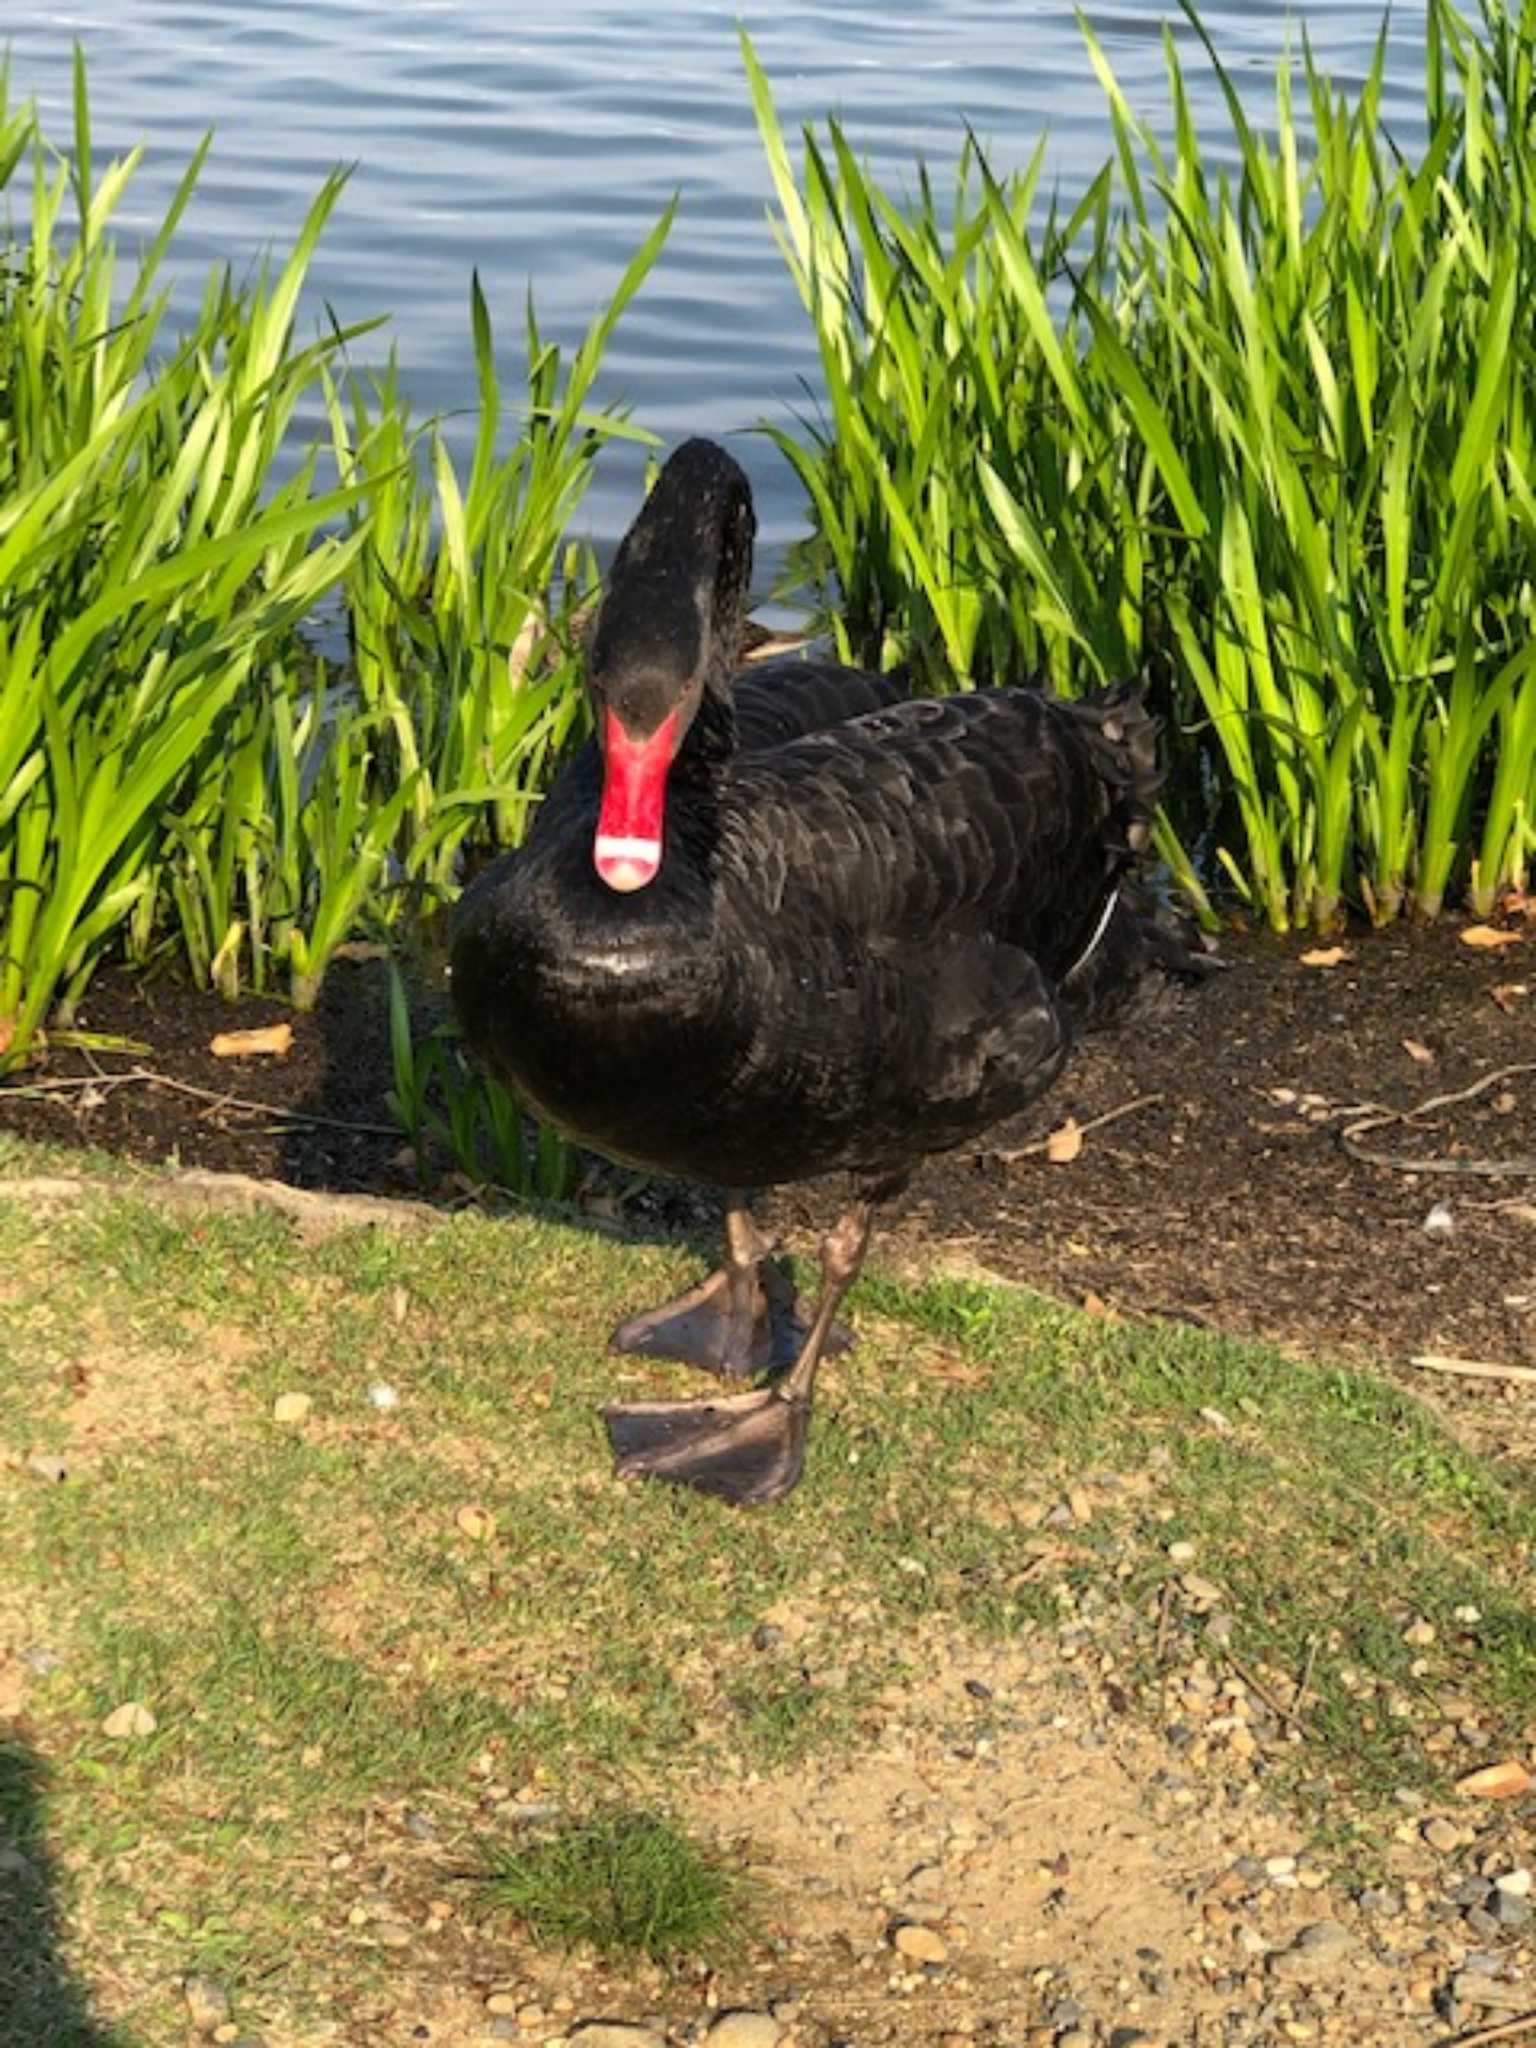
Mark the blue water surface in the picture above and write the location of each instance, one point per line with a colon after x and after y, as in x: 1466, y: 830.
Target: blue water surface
x: 540, y: 142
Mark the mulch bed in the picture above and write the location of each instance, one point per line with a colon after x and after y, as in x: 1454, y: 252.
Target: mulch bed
x: 1227, y: 1199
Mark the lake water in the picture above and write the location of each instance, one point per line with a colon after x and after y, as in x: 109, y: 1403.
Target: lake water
x: 540, y: 142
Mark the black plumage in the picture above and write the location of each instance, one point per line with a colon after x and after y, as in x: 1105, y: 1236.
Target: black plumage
x: 876, y: 926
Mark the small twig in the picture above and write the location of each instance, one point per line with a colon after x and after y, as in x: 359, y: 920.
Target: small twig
x: 1377, y: 1117
x: 1474, y: 1368
x: 218, y: 1098
x: 1095, y: 1123
x: 1506, y: 2030
x: 1299, y: 1696
x: 1261, y: 1693
x: 1164, y: 1616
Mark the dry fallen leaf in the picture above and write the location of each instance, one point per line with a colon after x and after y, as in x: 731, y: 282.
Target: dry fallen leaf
x: 1507, y: 993
x: 1496, y: 1781
x: 520, y: 653
x: 268, y: 1038
x: 476, y: 1524
x: 1063, y: 1145
x: 130, y: 1719
x: 1417, y: 1051
x: 1326, y: 956
x: 1485, y: 935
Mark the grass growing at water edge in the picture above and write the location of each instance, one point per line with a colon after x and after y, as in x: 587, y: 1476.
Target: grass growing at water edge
x: 1261, y: 434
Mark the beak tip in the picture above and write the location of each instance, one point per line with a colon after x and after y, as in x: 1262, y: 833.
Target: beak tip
x: 627, y: 864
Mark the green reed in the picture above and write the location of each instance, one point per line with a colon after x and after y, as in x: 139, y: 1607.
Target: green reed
x: 1260, y: 431
x: 177, y: 769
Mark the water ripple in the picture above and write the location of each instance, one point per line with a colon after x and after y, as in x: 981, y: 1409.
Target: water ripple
x: 544, y: 146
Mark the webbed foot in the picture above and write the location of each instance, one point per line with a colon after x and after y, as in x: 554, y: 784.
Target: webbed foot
x: 743, y: 1320
x: 747, y: 1449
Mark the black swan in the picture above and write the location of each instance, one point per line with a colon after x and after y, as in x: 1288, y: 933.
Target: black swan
x: 770, y: 925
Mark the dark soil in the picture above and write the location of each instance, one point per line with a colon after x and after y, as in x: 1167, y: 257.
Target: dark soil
x: 1227, y: 1201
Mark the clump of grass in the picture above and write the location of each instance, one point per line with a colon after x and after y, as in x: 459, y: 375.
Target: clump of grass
x: 440, y: 1099
x: 1260, y: 433
x: 177, y: 772
x: 626, y: 1884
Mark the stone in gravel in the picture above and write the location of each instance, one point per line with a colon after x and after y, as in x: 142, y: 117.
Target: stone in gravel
x: 1510, y: 1910
x: 614, y: 2034
x: 1315, y: 1951
x: 1508, y: 1780
x: 1442, y: 1835
x: 130, y: 1719
x: 1074, y: 2037
x: 207, y: 2003
x: 502, y: 2029
x: 1470, y: 1891
x: 1469, y: 1988
x: 1129, y: 2037
x: 1376, y: 1899
x: 919, y: 1944
x: 1479, y: 1921
x: 1516, y: 1883
x: 744, y: 2030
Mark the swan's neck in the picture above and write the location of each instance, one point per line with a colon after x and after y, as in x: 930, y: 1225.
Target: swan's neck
x: 711, y: 738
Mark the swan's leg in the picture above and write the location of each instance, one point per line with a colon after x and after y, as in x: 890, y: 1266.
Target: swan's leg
x: 749, y: 1449
x: 744, y: 1319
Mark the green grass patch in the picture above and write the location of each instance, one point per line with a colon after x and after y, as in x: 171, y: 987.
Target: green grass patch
x: 624, y: 1884
x: 397, y: 1604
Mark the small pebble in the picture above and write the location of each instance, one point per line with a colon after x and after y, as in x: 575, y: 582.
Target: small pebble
x: 291, y: 1407
x: 1442, y: 1835
x: 1470, y: 1891
x: 615, y: 2034
x: 919, y: 1944
x: 48, y: 1465
x: 744, y: 2030
x: 383, y: 1396
x: 1315, y: 1951
x: 1441, y: 1221
x: 1515, y: 1883
x: 1470, y: 1987
x: 1181, y: 1553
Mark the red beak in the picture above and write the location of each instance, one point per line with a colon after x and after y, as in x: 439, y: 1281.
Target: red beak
x: 627, y: 851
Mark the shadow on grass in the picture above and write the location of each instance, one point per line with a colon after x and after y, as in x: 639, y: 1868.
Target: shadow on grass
x: 39, y: 2000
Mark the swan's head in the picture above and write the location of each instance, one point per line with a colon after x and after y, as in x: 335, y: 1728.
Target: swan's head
x: 666, y: 640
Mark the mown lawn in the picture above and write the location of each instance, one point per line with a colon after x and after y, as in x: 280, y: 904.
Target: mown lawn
x: 405, y: 1593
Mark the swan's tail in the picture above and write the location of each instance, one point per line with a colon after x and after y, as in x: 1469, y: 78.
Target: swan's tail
x: 1137, y: 931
